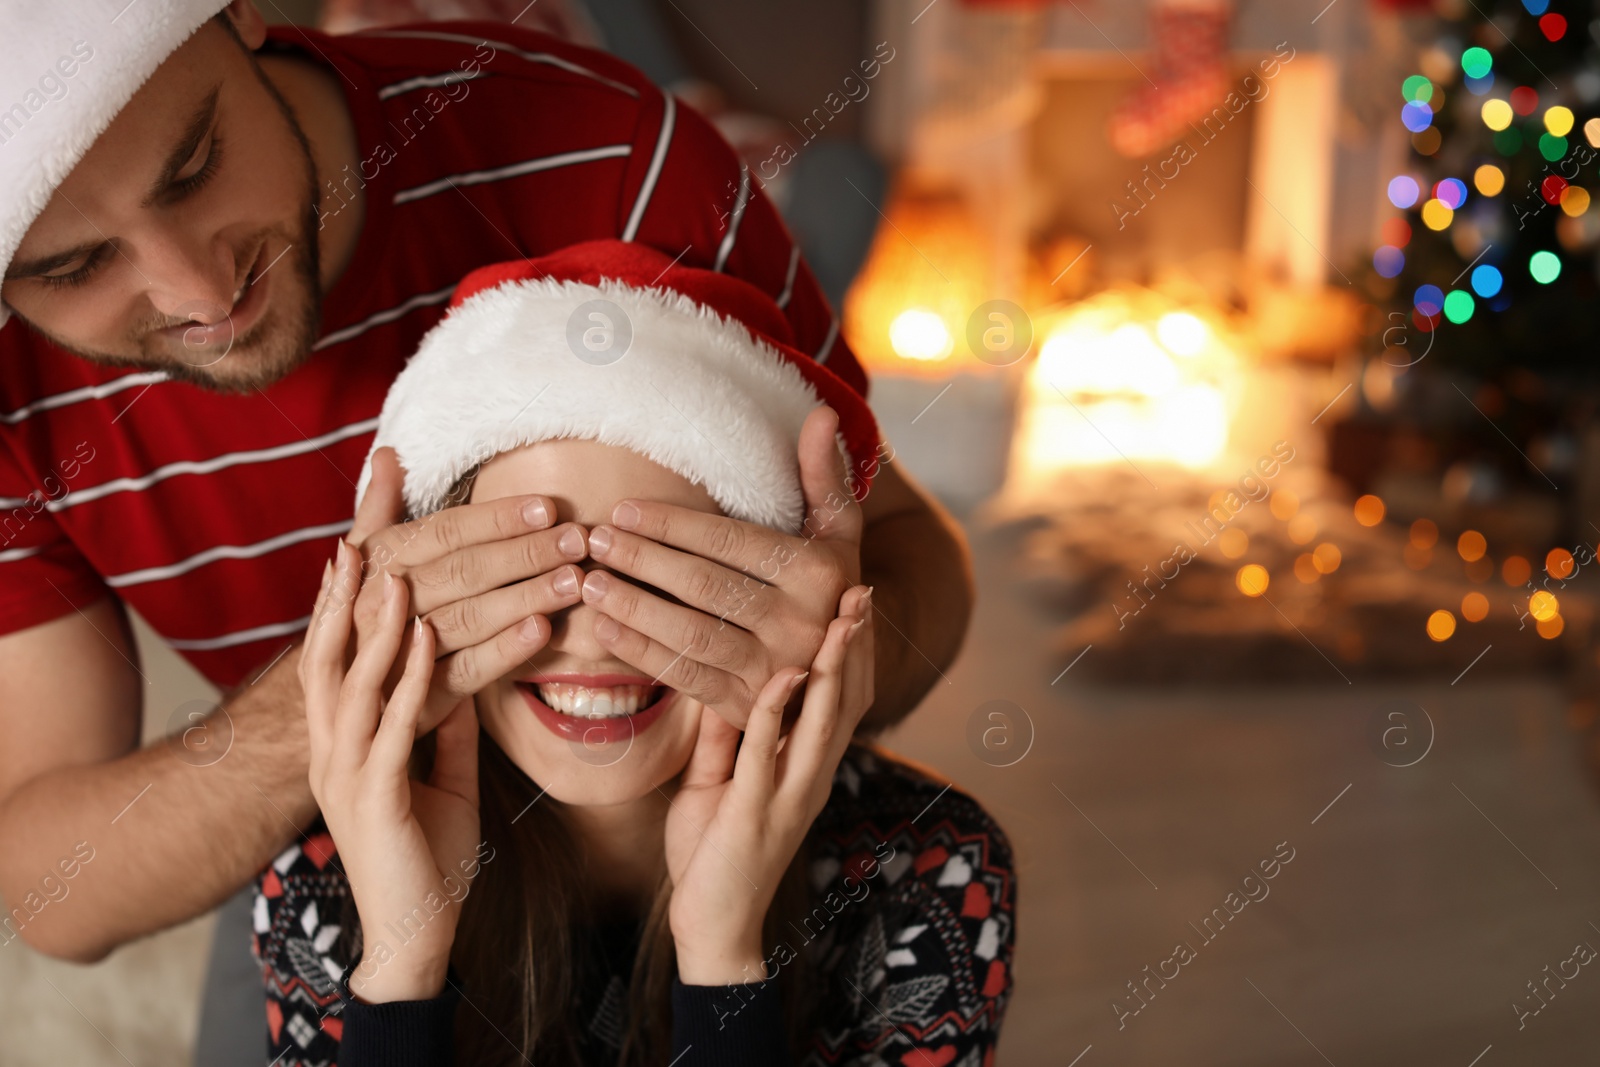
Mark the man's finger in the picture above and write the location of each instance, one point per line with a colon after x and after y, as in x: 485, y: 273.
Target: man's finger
x: 710, y: 640
x: 832, y: 513
x: 423, y: 540
x: 719, y: 690
x: 383, y: 503
x: 755, y: 550
x: 463, y: 623
x: 696, y: 581
x: 475, y: 569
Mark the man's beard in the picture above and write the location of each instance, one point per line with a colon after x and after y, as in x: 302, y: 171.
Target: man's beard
x: 262, y: 358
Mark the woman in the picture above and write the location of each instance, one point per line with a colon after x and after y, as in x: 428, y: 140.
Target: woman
x: 608, y: 872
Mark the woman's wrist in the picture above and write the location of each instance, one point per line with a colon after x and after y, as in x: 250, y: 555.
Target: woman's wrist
x: 380, y: 980
x: 738, y: 963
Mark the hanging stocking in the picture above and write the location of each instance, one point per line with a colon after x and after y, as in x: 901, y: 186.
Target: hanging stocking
x: 1189, y: 72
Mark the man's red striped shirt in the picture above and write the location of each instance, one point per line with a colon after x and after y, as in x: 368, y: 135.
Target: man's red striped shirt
x: 211, y: 515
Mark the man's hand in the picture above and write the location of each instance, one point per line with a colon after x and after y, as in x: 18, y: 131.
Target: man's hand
x: 752, y: 601
x: 456, y: 565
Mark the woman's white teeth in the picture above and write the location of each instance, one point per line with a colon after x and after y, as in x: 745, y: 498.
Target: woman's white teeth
x: 604, y: 702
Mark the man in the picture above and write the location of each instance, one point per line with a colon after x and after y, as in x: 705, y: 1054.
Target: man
x: 217, y: 262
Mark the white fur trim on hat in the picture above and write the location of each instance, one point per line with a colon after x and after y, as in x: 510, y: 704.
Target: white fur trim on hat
x: 66, y: 69
x: 694, y: 392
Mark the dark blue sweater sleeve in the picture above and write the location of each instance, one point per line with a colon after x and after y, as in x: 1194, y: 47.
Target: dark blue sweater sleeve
x: 728, y: 1026
x: 401, y: 1033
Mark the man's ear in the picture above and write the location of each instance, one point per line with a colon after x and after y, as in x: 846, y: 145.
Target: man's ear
x: 247, y: 23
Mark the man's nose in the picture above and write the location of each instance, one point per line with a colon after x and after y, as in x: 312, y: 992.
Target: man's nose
x: 190, y: 280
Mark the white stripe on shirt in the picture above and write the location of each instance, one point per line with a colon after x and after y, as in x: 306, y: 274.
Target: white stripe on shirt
x: 88, y: 392
x: 241, y: 637
x: 11, y: 555
x: 378, y: 318
x: 427, y: 80
x: 478, y: 177
x: 739, y: 205
x: 827, y: 344
x: 669, y: 116
x: 251, y: 551
x: 204, y: 466
x: 788, y: 281
x: 531, y: 57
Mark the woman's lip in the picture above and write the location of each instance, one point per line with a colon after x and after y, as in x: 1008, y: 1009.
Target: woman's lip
x: 607, y: 731
x: 238, y: 319
x: 593, y: 681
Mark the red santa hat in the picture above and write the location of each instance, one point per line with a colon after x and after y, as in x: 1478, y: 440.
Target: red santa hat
x: 616, y: 342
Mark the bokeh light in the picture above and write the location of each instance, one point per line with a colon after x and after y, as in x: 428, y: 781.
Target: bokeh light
x: 1553, y: 26
x: 1551, y: 188
x: 1543, y: 605
x: 1284, y: 504
x: 1591, y: 132
x: 1369, y: 510
x: 1487, y: 280
x: 1233, y: 542
x: 1497, y: 114
x: 1550, y: 628
x: 1424, y: 533
x: 1326, y: 557
x: 1436, y: 215
x: 1476, y: 62
x: 1302, y: 529
x: 1403, y: 191
x: 920, y: 334
x: 1574, y: 200
x: 1428, y: 299
x: 1441, y: 624
x: 1558, y: 120
x: 1416, y: 116
x: 1471, y: 545
x: 1388, y: 261
x: 1305, y: 568
x: 1452, y: 191
x: 1545, y: 267
x: 1489, y: 179
x: 1516, y: 571
x: 1252, y: 579
x: 1524, y: 101
x: 1458, y: 306
x: 1558, y: 563
x: 1417, y: 87
x: 1474, y: 607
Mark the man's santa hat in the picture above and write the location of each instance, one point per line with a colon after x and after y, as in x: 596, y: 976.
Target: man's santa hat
x: 68, y: 69
x: 618, y: 343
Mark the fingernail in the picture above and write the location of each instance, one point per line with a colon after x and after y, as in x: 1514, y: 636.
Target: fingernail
x: 567, y: 581
x: 571, y: 543
x: 599, y: 541
x: 625, y: 515
x: 866, y: 598
x: 535, y: 514
x: 851, y: 634
x: 416, y: 628
x: 595, y: 585
x: 606, y: 628
x: 794, y: 683
x: 530, y: 628
x: 327, y: 576
x: 388, y: 587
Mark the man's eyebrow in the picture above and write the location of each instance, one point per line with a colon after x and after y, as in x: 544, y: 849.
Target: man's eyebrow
x: 199, y: 123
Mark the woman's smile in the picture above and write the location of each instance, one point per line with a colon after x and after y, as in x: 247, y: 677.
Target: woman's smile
x: 595, y: 709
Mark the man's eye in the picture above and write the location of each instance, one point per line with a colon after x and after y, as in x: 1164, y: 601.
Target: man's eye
x: 78, y: 276
x: 207, y: 169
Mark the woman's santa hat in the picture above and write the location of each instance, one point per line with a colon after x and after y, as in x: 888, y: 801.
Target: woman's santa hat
x: 618, y: 343
x: 68, y: 69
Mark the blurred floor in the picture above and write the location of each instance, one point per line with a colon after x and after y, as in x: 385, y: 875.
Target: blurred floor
x: 1403, y: 930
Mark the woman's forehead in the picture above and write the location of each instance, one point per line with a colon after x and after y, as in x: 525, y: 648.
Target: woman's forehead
x: 586, y: 478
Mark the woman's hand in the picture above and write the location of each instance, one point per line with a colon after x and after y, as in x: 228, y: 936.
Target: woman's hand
x: 741, y: 811
x: 409, y: 848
